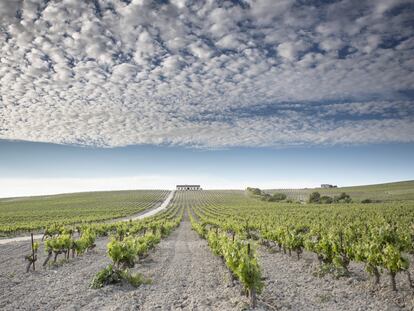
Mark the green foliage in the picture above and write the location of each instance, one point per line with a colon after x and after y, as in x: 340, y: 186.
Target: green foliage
x: 85, y: 242
x: 325, y: 200
x: 32, y: 257
x: 314, y: 197
x: 254, y: 191
x: 127, y: 245
x: 248, y: 272
x: 389, y: 192
x: 106, y: 276
x: 377, y: 235
x: 135, y: 279
x: 36, y: 246
x: 265, y: 197
x: 239, y: 257
x: 58, y: 244
x: 122, y: 253
x: 40, y: 212
x: 342, y: 198
x: 393, y: 260
x: 111, y: 275
x: 276, y: 197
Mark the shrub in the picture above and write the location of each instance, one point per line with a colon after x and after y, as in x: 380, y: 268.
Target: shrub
x: 266, y: 197
x: 325, y: 200
x: 255, y: 191
x: 122, y: 253
x: 278, y: 197
x: 105, y: 277
x: 343, y: 198
x: 109, y: 275
x: 135, y: 279
x: 366, y: 201
x: 315, y: 197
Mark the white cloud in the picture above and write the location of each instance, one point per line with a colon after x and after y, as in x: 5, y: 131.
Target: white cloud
x: 195, y: 72
x: 290, y: 50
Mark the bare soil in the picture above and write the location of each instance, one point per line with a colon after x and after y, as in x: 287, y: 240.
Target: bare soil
x: 290, y: 284
x: 185, y: 276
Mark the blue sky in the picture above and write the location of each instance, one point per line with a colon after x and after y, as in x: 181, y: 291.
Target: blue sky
x: 37, y: 168
x: 218, y: 83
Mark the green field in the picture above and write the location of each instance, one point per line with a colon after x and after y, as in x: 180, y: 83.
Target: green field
x: 397, y: 191
x: 28, y: 213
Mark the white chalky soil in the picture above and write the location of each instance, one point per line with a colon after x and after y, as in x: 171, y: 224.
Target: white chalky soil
x: 185, y: 276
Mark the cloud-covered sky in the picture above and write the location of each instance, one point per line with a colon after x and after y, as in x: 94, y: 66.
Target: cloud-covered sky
x: 208, y: 74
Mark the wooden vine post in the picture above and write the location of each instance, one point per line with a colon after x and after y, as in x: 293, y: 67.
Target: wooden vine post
x: 33, y: 252
x: 33, y: 257
x: 34, y: 268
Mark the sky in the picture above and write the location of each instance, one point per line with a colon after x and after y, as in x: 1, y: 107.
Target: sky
x: 29, y: 168
x: 233, y: 87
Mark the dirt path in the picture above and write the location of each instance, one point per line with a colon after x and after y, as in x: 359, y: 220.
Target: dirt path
x: 185, y: 276
x: 140, y: 215
x: 154, y: 211
x: 188, y: 276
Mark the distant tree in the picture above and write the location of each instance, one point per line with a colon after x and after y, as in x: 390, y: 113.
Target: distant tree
x: 315, y: 197
x: 366, y: 201
x: 343, y: 198
x: 255, y: 191
x: 325, y: 200
x: 278, y: 197
x: 266, y: 197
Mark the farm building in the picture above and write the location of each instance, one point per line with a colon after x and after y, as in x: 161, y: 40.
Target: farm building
x: 326, y: 186
x: 188, y: 187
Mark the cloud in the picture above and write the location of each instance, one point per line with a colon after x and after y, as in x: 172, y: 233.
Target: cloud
x: 291, y: 50
x: 207, y: 73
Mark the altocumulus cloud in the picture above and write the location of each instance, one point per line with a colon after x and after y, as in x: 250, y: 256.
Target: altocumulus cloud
x: 207, y: 73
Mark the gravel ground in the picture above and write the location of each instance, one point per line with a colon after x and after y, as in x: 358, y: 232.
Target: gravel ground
x: 184, y: 273
x: 186, y: 276
x: 291, y: 285
x: 64, y: 287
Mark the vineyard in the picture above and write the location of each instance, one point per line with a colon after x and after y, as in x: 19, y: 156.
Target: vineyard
x: 379, y: 236
x: 22, y: 214
x: 222, y: 250
x: 390, y: 192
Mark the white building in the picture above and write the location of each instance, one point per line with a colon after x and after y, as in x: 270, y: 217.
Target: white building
x: 327, y: 186
x: 188, y: 187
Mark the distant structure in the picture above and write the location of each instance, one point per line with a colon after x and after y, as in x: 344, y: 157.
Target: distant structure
x: 327, y: 186
x: 188, y: 187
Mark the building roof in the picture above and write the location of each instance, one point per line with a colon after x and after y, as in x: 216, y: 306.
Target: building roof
x: 188, y: 185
